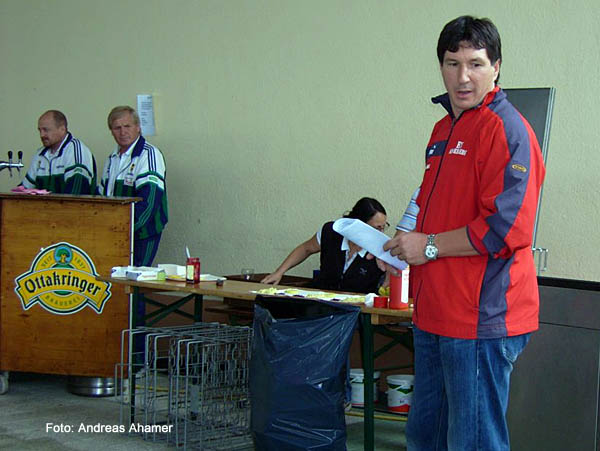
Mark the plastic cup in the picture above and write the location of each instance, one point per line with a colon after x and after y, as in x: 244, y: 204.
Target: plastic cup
x: 380, y: 302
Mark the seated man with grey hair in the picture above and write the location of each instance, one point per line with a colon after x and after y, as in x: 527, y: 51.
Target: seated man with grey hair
x: 64, y: 165
x: 137, y: 169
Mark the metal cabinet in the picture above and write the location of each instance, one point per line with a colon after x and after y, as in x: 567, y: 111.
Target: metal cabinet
x: 554, y: 396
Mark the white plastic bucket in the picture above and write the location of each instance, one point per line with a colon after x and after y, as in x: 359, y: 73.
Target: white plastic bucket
x: 357, y: 380
x: 400, y: 390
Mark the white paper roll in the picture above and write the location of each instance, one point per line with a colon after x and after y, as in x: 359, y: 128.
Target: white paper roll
x: 368, y: 238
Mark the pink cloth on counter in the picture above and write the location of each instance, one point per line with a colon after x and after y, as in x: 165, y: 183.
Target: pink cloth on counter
x: 21, y: 189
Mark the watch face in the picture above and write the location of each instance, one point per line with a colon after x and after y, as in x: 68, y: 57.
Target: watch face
x: 431, y: 252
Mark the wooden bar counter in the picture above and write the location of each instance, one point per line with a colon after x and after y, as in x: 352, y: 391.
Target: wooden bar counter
x: 55, y: 317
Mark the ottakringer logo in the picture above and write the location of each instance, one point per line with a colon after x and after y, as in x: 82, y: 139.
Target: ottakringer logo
x: 62, y: 278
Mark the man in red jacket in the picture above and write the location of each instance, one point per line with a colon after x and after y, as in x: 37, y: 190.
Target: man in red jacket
x: 473, y: 277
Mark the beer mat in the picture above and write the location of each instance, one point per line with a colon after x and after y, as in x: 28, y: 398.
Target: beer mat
x: 368, y: 238
x: 325, y: 296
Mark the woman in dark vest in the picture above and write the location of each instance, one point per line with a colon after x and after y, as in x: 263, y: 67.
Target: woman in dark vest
x: 344, y: 266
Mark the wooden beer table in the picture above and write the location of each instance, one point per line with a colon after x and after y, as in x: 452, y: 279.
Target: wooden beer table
x: 241, y: 290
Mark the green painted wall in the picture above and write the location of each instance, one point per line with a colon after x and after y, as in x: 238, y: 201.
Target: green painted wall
x: 277, y: 115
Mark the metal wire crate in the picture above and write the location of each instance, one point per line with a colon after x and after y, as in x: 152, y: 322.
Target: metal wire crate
x: 210, y: 381
x: 190, y: 385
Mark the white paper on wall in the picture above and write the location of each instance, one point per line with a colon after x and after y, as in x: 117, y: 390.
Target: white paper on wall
x: 145, y: 109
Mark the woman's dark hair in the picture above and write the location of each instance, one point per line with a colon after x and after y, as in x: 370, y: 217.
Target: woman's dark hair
x: 480, y: 33
x: 365, y: 209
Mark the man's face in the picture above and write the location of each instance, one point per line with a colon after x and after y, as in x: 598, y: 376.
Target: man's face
x: 468, y: 76
x: 125, y: 131
x: 51, y: 135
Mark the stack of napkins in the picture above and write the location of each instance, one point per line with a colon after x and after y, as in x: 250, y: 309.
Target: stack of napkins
x: 146, y: 273
x: 138, y: 272
x: 173, y: 270
x: 177, y: 273
x: 120, y: 271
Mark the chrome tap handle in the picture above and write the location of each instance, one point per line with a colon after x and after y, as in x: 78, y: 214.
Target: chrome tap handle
x: 10, y: 163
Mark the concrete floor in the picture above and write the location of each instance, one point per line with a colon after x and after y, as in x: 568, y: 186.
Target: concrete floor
x: 389, y: 433
x: 37, y: 407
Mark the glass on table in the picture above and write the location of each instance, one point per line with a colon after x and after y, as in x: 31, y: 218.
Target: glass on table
x: 247, y: 273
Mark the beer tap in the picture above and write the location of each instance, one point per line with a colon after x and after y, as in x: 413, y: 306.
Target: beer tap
x: 10, y: 164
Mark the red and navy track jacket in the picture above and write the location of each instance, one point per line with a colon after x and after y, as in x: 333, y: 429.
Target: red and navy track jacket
x: 483, y: 170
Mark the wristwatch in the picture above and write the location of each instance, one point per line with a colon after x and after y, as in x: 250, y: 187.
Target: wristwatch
x: 431, y: 250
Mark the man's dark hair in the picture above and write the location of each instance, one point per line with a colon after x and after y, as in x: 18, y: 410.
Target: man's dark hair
x: 365, y: 209
x: 480, y: 33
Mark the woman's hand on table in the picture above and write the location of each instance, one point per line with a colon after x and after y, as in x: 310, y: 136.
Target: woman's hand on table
x: 272, y: 278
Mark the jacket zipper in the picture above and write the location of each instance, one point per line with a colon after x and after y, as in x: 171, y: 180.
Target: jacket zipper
x: 454, y: 121
x: 50, y: 181
x: 415, y: 302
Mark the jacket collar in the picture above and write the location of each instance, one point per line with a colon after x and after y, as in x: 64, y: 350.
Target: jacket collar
x: 139, y: 146
x: 495, y: 94
x: 66, y: 141
x: 346, y: 247
x: 136, y: 151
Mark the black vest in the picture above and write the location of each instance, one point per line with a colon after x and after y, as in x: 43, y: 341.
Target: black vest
x: 363, y: 276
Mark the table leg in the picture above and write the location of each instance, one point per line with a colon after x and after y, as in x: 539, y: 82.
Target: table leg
x: 198, y: 306
x: 368, y: 367
x: 133, y: 356
x: 134, y: 306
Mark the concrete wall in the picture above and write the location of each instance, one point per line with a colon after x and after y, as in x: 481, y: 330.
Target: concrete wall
x: 277, y: 115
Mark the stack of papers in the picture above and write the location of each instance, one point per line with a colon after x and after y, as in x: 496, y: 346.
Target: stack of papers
x: 326, y: 296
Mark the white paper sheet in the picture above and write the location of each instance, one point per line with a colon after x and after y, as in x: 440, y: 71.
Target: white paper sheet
x: 145, y: 109
x: 368, y: 238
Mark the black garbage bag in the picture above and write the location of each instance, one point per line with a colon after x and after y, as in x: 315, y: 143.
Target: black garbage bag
x: 298, y: 373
